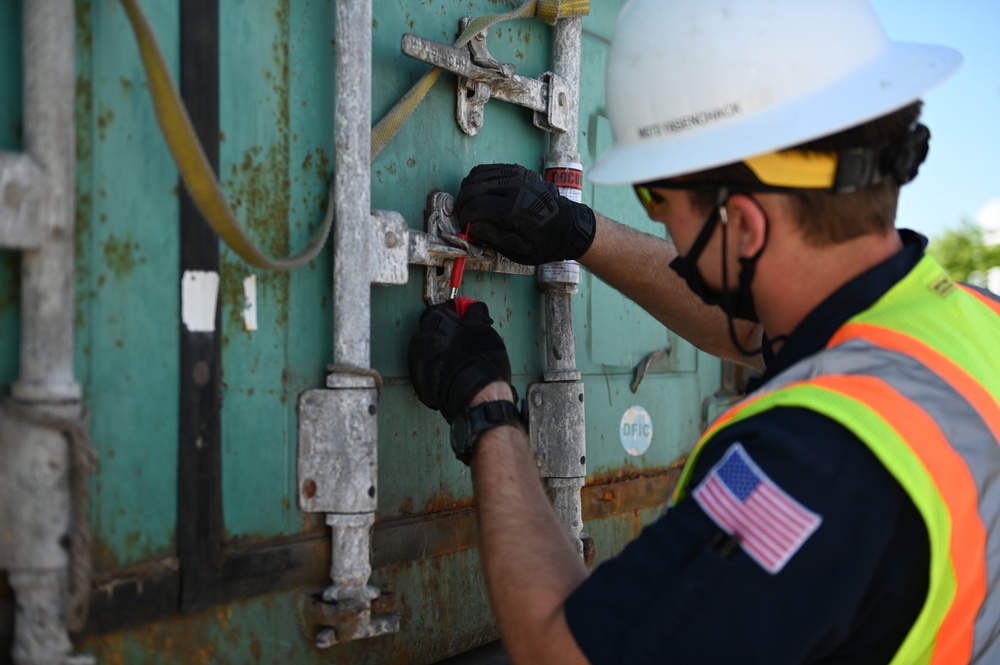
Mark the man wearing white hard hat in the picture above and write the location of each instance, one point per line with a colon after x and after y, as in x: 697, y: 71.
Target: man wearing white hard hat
x: 847, y: 509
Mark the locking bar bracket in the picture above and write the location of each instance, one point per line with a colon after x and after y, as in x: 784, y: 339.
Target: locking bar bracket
x: 481, y: 77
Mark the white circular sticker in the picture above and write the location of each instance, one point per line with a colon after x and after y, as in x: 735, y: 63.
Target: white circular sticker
x: 636, y: 430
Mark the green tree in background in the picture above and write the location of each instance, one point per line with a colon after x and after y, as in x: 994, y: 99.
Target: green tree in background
x: 962, y: 251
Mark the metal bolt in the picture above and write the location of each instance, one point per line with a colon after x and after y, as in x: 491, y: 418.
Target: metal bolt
x: 309, y: 488
x: 581, y: 397
x: 562, y: 99
x: 391, y: 240
x: 371, y: 491
x: 200, y: 373
x: 448, y: 205
x: 537, y: 399
x: 371, y: 409
x: 539, y: 460
x: 583, y: 459
x: 475, y: 118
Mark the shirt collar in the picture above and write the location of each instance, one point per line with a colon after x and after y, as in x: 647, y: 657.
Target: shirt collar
x: 819, y: 326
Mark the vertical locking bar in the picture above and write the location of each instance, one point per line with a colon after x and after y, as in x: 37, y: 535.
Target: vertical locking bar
x: 559, y: 443
x: 338, y: 427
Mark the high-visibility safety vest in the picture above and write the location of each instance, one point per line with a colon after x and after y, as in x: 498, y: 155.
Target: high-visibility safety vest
x: 916, y: 377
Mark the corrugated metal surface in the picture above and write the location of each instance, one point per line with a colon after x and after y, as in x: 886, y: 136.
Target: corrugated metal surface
x: 275, y: 159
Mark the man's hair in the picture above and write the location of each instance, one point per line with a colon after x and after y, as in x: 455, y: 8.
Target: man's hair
x: 827, y: 218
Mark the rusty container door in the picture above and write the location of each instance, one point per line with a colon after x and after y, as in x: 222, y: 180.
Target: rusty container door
x: 200, y: 552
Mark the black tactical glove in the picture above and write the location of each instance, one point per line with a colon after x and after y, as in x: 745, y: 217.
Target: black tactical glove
x: 522, y: 216
x: 450, y: 359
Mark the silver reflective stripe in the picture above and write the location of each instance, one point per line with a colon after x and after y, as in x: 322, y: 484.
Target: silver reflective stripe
x: 963, y: 427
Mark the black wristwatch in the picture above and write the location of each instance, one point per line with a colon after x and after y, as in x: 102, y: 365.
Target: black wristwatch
x: 466, y: 427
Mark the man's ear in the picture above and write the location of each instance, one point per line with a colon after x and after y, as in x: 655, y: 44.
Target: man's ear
x: 748, y: 224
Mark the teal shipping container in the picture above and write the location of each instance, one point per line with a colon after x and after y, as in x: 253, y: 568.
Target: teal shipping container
x: 207, y: 461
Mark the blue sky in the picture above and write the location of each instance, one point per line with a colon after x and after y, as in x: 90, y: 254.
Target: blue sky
x: 962, y: 173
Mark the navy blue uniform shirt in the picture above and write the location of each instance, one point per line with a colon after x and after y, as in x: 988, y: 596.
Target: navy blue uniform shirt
x: 685, y: 592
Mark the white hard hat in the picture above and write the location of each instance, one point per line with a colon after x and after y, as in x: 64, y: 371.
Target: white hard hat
x: 696, y: 84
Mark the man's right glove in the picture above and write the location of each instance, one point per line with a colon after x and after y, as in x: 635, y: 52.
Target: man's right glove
x: 452, y: 358
x: 515, y: 211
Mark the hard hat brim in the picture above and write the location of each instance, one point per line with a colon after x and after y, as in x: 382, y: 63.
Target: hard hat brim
x: 900, y: 76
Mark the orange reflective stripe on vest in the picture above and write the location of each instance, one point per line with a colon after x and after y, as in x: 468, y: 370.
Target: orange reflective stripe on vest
x: 887, y: 338
x: 960, y: 497
x: 992, y: 303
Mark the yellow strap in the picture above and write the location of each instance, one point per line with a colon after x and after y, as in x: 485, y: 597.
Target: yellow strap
x: 196, y: 172
x: 192, y: 164
x: 551, y: 11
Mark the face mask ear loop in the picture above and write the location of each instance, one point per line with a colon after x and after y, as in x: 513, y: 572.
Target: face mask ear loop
x: 719, y: 212
x: 747, y: 272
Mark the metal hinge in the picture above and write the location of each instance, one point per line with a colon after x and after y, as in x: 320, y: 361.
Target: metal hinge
x: 481, y: 77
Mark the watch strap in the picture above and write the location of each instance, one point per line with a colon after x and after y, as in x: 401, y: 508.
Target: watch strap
x: 482, y: 418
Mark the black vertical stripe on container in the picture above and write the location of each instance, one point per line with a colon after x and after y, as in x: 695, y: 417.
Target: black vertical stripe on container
x: 199, y: 472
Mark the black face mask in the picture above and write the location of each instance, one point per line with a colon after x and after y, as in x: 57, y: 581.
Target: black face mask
x: 736, y: 306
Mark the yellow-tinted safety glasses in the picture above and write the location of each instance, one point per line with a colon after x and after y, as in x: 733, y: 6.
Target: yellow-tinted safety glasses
x: 776, y: 171
x: 648, y: 198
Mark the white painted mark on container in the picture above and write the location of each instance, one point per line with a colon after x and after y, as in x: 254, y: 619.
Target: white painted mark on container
x: 636, y: 430
x: 250, y: 302
x: 199, y: 296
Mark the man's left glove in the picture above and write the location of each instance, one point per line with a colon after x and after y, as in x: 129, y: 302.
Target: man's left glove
x: 515, y: 211
x: 452, y: 358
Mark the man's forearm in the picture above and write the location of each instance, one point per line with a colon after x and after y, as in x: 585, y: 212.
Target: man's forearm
x: 636, y: 264
x: 529, y: 563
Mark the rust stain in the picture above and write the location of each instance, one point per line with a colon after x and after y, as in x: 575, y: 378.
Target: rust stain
x: 84, y: 107
x: 442, y: 502
x: 626, y: 491
x: 323, y: 165
x: 84, y: 30
x: 84, y: 210
x: 260, y: 194
x: 103, y: 556
x: 198, y: 639
x: 120, y: 255
x: 631, y: 473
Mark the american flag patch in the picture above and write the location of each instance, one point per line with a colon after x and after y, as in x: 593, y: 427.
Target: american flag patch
x: 743, y: 501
